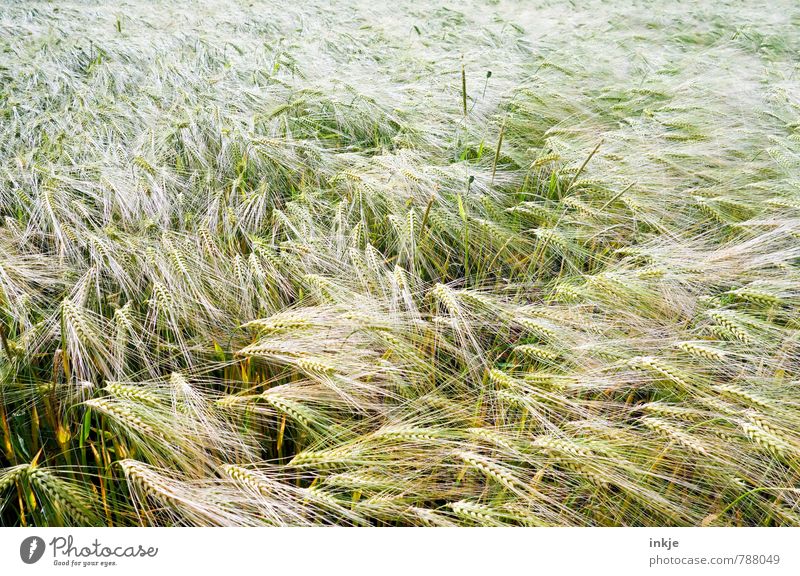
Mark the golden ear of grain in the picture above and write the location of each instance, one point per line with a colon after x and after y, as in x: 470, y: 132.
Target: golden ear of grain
x: 66, y: 500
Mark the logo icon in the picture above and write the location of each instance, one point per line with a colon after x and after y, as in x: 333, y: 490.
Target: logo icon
x: 31, y: 550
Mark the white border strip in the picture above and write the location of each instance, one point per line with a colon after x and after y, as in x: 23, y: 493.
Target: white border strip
x: 374, y: 551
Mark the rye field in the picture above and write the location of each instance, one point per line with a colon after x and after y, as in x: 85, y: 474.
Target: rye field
x: 501, y: 263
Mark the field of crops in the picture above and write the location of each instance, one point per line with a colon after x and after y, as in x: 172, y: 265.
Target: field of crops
x: 510, y: 263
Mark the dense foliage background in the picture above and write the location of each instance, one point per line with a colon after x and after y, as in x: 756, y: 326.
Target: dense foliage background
x: 479, y: 263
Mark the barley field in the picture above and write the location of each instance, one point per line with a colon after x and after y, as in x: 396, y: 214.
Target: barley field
x: 501, y: 263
